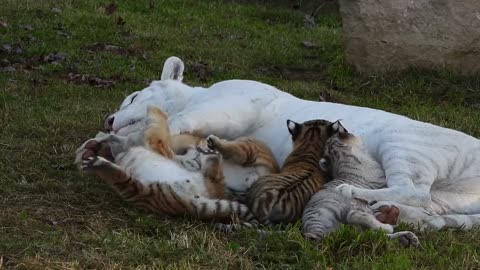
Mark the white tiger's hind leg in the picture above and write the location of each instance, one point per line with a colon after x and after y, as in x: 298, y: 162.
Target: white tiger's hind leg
x: 401, y: 189
x: 394, y: 213
x: 463, y: 222
x: 367, y: 220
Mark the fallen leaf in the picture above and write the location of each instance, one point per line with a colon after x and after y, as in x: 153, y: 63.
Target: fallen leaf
x: 9, y: 49
x: 110, y: 8
x: 54, y: 57
x: 111, y: 48
x: 9, y: 69
x: 201, y: 71
x: 3, y: 24
x: 97, y: 46
x: 120, y: 21
x: 40, y: 13
x: 126, y: 34
x: 32, y: 39
x: 309, y: 21
x: 26, y: 27
x: 63, y: 34
x: 56, y: 10
x: 309, y: 44
x: 93, y: 81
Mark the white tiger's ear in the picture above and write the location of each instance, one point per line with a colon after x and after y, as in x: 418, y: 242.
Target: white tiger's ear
x: 293, y: 127
x: 337, y: 127
x: 173, y: 69
x: 324, y: 164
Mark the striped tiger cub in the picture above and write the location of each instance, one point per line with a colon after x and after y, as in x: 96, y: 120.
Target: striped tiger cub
x: 347, y: 162
x: 280, y: 198
x: 143, y: 170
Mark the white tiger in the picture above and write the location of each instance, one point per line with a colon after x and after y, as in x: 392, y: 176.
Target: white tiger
x: 426, y: 166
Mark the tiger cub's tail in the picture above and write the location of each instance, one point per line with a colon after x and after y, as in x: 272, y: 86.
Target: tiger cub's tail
x: 220, y: 210
x: 163, y: 198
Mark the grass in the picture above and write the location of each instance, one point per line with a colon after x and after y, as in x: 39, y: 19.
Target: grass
x: 52, y: 217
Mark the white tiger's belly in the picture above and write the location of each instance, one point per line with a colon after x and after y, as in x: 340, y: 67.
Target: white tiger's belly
x: 149, y: 167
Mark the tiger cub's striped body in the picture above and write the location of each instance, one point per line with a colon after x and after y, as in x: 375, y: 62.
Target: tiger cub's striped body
x: 280, y: 198
x: 347, y: 162
x: 143, y: 169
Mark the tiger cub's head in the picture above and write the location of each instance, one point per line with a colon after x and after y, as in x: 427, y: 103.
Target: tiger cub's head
x: 341, y: 144
x: 157, y: 134
x: 313, y: 132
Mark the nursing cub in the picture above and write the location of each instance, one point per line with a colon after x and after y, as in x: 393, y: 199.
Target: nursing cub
x: 280, y: 198
x: 347, y: 162
x: 143, y: 169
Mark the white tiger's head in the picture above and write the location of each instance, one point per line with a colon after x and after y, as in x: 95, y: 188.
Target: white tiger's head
x: 132, y: 112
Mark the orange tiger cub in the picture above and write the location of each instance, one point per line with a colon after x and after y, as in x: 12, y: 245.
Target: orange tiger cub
x: 157, y: 138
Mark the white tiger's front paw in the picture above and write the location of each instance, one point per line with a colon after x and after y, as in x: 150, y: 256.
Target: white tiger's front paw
x: 345, y: 190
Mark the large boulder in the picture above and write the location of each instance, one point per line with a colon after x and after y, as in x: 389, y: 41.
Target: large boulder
x: 387, y: 35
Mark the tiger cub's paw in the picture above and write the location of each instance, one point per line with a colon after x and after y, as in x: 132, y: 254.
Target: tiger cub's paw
x: 227, y: 228
x: 345, y: 190
x: 206, y: 151
x: 213, y: 142
x: 91, y: 163
x: 314, y: 237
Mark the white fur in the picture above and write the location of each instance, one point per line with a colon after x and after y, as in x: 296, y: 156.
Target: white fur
x: 419, y: 159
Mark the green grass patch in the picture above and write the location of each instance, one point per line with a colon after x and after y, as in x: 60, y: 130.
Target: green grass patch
x: 65, y: 64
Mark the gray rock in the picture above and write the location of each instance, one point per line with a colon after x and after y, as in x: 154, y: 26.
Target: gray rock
x: 387, y: 35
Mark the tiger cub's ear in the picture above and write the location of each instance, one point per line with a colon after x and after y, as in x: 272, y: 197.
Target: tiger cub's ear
x: 293, y: 128
x: 337, y: 127
x: 155, y: 113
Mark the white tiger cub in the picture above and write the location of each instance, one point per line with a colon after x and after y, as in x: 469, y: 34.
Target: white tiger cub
x: 347, y: 162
